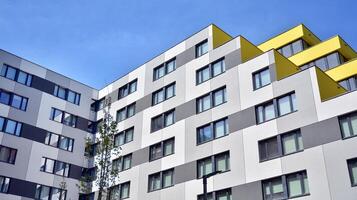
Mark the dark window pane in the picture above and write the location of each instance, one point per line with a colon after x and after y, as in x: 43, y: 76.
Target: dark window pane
x: 16, y: 101
x: 4, y: 97
x: 11, y: 73
x: 22, y: 77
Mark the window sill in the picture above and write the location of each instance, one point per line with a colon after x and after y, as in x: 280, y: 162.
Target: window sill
x: 209, y: 78
x: 255, y: 89
x: 152, y: 105
x: 152, y: 160
x: 211, y: 108
x: 7, y: 162
x: 280, y: 156
x: 198, y: 144
x: 302, y: 195
x: 228, y: 170
x: 258, y: 123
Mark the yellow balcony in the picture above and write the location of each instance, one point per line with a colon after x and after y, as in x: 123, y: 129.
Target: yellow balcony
x: 343, y: 71
x: 329, y: 46
x: 289, y: 36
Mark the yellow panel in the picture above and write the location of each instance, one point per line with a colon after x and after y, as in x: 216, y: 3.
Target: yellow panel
x: 327, y: 86
x: 322, y: 49
x: 343, y: 71
x: 248, y: 50
x: 219, y: 36
x: 289, y: 36
x: 284, y: 67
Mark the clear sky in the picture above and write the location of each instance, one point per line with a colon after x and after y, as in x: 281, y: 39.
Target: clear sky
x: 98, y: 41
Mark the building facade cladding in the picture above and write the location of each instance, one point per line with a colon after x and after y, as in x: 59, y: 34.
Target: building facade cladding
x: 317, y: 165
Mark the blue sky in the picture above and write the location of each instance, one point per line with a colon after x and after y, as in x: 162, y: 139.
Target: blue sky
x: 97, y: 41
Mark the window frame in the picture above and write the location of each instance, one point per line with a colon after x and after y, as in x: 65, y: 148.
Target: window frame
x: 73, y: 118
x: 29, y: 77
x: 211, y: 125
x: 11, y: 157
x: 17, y: 130
x: 69, y: 147
x: 161, y: 146
x: 259, y: 75
x: 55, y: 163
x: 162, y: 121
x: 125, y: 136
x: 199, y: 47
x: 164, y: 66
x: 280, y: 145
x: 164, y: 91
x: 3, y: 188
x: 128, y: 88
x: 347, y: 117
x: 211, y: 99
x: 126, y: 112
x: 50, y: 192
x: 210, y: 71
x: 351, y: 163
x: 24, y: 100
x: 213, y: 160
x: 121, y: 161
x: 77, y: 96
x: 161, y: 178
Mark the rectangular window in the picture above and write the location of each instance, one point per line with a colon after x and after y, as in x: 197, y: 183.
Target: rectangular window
x: 212, y: 70
x: 122, y: 163
x: 16, y: 75
x: 326, y: 62
x: 124, y: 137
x: 281, y: 145
x: 286, y: 186
x: 276, y: 108
x: 10, y: 126
x: 161, y: 180
x: 162, y: 149
x: 219, y: 162
x: 352, y: 168
x: 63, y: 117
x: 161, y: 121
x: 7, y: 154
x: 201, y: 48
x: 4, y: 184
x: 61, y: 142
x: 293, y: 48
x: 212, y: 131
x: 127, y: 89
x: 49, y: 193
x: 350, y: 84
x: 348, y: 125
x: 55, y: 167
x: 210, y: 100
x: 261, y: 78
x: 67, y: 94
x: 13, y: 100
x: 164, y: 69
x: 126, y: 112
x: 163, y: 93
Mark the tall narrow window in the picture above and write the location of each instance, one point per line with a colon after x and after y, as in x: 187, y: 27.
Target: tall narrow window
x: 352, y: 167
x: 261, y: 78
x: 292, y: 142
x: 4, y: 184
x: 201, y: 48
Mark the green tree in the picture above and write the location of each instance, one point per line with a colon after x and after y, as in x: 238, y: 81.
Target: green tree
x: 105, y: 149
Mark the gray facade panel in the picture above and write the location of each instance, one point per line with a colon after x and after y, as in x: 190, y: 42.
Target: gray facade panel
x: 185, y: 110
x: 185, y: 57
x: 321, y: 133
x: 242, y: 119
x: 43, y: 85
x: 233, y: 59
x: 22, y: 188
x: 143, y: 103
x: 33, y: 133
x: 75, y: 172
x: 251, y: 191
x: 185, y: 172
x: 141, y: 156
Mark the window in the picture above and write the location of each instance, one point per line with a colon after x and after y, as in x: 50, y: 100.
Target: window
x: 348, y: 125
x: 10, y: 126
x: 352, y: 168
x: 162, y: 149
x: 54, y: 167
x: 122, y: 163
x: 63, y: 117
x: 67, y: 94
x: 98, y: 105
x: 281, y: 145
x: 276, y: 107
x: 4, y: 184
x: 164, y: 69
x: 213, y: 99
x: 7, y: 154
x: 13, y: 100
x: 16, y: 75
x: 219, y: 162
x: 161, y: 180
x: 124, y: 137
x: 212, y: 131
x: 59, y: 141
x: 120, y: 191
x: 327, y: 62
x: 126, y: 112
x: 286, y: 186
x: 225, y: 194
x: 89, y: 196
x: 214, y: 69
x: 164, y: 120
x: 127, y: 89
x: 49, y: 193
x: 350, y: 84
x: 201, y: 48
x: 163, y: 94
x: 293, y: 48
x: 261, y: 78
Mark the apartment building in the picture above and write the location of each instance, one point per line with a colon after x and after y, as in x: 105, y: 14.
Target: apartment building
x: 277, y: 120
